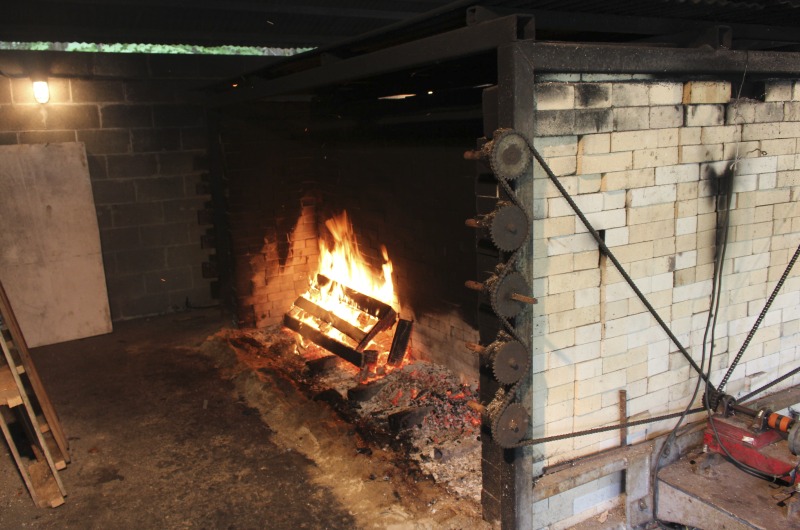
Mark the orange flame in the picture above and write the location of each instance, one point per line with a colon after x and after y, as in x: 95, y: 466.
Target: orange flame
x: 345, y: 264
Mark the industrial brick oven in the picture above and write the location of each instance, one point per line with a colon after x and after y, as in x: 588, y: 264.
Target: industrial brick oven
x: 474, y: 157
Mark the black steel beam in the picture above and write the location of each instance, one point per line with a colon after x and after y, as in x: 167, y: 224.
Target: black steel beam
x: 451, y: 45
x: 619, y: 59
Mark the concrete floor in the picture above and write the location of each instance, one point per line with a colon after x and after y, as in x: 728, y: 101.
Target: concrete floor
x: 160, y: 437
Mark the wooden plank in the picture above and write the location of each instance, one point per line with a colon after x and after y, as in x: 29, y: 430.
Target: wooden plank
x: 319, y: 338
x: 9, y: 393
x: 45, y: 484
x: 26, y: 362
x: 21, y: 465
x: 586, y: 470
x: 327, y: 316
x: 31, y: 425
x: 52, y: 265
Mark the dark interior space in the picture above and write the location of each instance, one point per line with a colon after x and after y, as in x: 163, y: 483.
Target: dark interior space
x: 395, y: 165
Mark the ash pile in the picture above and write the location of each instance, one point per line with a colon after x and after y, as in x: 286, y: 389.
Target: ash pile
x: 419, y: 410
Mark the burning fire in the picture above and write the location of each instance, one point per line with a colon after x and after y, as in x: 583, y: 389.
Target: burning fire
x: 350, y: 302
x: 344, y: 264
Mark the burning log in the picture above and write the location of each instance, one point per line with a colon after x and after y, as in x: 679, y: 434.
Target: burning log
x: 402, y: 334
x: 376, y: 309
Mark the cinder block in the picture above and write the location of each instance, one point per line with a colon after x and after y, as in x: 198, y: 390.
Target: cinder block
x: 554, y: 96
x: 85, y: 91
x: 704, y: 115
x: 563, y: 166
x: 123, y: 116
x: 786, y: 146
x: 587, y: 260
x: 662, y: 156
x: 796, y: 91
x: 687, y: 208
x: 778, y: 90
x: 669, y: 137
x: 631, y: 118
x: 720, y: 134
x: 700, y: 153
x: 704, y: 92
x: 690, y: 135
x: 602, y: 220
x: 666, y: 116
x: 630, y: 94
x: 603, y: 163
x: 592, y: 95
x: 594, y: 144
x: 666, y: 94
x: 589, y: 183
x: 750, y: 166
x: 685, y: 225
x: 791, y: 111
x: 554, y: 123
x: 651, y: 231
x: 617, y: 236
x: 589, y: 121
x: 649, y: 214
x: 769, y: 112
x: 633, y: 140
x: 789, y: 129
x: 556, y: 146
x: 652, y: 195
x: 759, y: 131
x: 598, y: 385
x: 571, y: 281
x: 673, y: 174
x: 570, y: 244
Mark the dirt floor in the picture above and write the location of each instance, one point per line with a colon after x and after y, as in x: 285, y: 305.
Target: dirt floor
x: 168, y: 430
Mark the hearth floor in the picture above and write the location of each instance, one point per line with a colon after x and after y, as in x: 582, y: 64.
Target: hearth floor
x: 163, y: 434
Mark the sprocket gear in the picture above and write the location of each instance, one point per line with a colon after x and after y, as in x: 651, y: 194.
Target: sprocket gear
x: 509, y: 155
x: 510, y: 362
x: 510, y: 425
x: 508, y: 226
x: 502, y: 289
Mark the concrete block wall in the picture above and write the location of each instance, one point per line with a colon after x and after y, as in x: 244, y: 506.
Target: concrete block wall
x: 645, y: 160
x: 147, y: 153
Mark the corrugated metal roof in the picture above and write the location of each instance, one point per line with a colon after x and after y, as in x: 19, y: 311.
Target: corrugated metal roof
x: 314, y: 23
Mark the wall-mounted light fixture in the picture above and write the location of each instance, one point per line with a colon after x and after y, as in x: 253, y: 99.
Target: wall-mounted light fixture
x: 41, y: 90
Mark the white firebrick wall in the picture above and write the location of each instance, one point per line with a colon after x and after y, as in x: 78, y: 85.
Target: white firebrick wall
x: 635, y: 153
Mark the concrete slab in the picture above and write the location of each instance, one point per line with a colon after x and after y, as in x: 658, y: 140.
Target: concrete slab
x: 163, y: 434
x: 705, y: 491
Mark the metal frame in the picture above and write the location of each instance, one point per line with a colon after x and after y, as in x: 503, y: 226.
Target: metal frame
x: 509, y: 104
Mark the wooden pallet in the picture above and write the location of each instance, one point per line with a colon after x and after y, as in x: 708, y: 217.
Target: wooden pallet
x: 24, y: 401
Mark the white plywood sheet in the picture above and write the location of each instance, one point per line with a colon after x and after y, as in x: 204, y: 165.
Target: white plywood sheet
x: 50, y: 259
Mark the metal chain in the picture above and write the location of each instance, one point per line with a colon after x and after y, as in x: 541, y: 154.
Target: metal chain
x: 758, y: 321
x: 506, y: 395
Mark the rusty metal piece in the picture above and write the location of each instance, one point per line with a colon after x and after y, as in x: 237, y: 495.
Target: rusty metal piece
x: 506, y: 294
x: 509, y: 154
x: 511, y: 426
x: 510, y: 361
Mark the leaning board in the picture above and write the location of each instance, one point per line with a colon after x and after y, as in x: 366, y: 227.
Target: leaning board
x: 50, y: 259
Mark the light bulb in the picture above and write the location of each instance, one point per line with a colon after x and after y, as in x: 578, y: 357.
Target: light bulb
x: 41, y: 91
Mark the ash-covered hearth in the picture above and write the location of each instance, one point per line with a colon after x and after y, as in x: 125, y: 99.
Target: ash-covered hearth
x: 420, y: 410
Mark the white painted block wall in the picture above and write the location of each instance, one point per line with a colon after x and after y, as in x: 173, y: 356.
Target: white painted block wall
x: 645, y: 175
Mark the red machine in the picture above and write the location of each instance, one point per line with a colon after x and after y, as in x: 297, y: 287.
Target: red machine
x: 762, y: 439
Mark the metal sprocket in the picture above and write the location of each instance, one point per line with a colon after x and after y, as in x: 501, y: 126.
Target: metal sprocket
x: 508, y: 226
x: 510, y: 155
x: 502, y: 302
x: 510, y: 362
x: 511, y: 425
